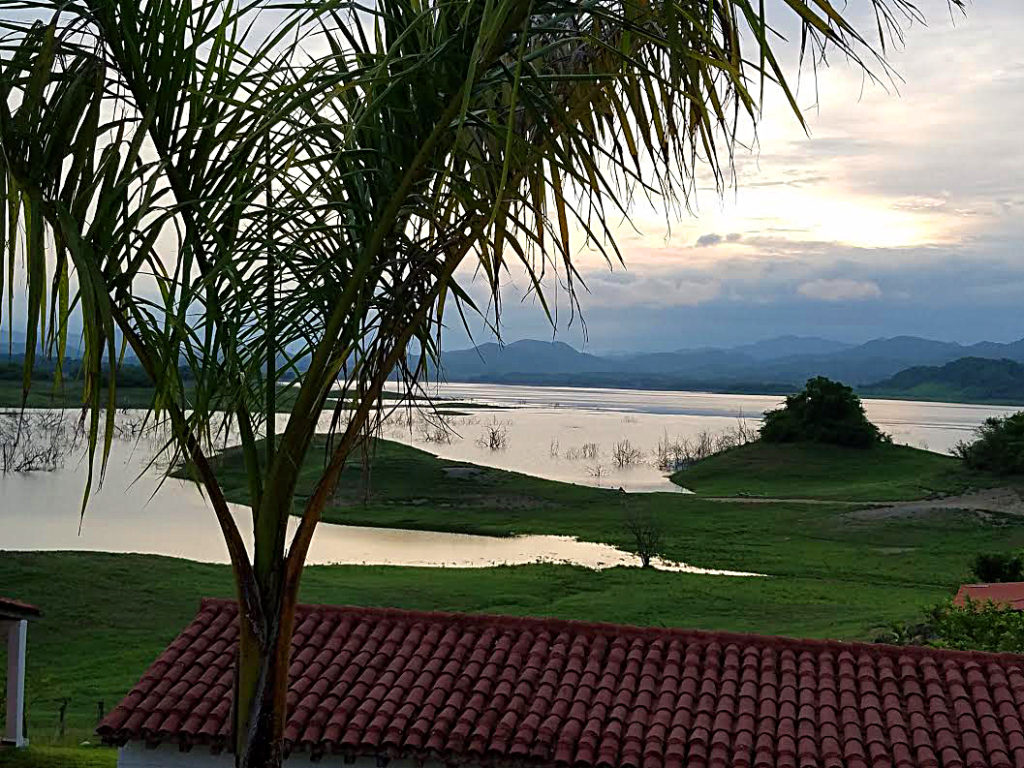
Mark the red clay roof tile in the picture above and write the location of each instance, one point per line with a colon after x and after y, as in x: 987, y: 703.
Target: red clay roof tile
x: 492, y: 689
x: 1009, y: 594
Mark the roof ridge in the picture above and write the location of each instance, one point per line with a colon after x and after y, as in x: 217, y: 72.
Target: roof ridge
x: 995, y: 584
x: 782, y: 642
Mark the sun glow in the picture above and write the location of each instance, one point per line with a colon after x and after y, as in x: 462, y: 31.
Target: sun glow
x: 769, y: 217
x: 861, y: 223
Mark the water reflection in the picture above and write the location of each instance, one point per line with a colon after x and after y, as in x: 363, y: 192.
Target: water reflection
x: 136, y: 511
x: 561, y: 434
x: 548, y: 428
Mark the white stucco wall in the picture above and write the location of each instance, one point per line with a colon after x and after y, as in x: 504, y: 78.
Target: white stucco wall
x: 15, y: 631
x: 137, y: 755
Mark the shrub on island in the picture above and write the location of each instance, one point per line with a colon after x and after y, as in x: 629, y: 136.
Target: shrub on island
x: 998, y: 446
x: 825, y: 411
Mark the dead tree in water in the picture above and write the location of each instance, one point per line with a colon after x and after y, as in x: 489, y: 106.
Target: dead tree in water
x: 35, y: 441
x: 495, y: 436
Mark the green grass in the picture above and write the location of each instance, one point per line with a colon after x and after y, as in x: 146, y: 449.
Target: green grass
x: 58, y: 757
x: 834, y: 572
x: 885, y: 472
x: 44, y: 395
x: 410, y: 488
x: 413, y: 489
x: 936, y: 392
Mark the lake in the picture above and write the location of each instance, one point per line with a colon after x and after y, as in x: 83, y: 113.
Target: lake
x: 137, y: 510
x: 545, y: 429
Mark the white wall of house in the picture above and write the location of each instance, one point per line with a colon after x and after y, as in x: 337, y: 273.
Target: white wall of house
x: 16, y: 632
x: 137, y: 755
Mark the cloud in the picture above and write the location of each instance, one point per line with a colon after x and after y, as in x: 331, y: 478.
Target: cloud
x: 713, y: 238
x: 705, y: 241
x: 967, y: 293
x: 840, y: 290
x: 658, y: 289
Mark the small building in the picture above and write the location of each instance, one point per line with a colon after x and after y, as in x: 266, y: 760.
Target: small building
x: 1009, y: 594
x: 371, y: 687
x: 14, y: 616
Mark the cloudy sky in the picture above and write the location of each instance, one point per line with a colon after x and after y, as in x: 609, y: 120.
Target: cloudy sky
x: 901, y: 213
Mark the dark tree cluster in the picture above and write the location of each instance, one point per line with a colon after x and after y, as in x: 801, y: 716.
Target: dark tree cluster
x: 974, y: 626
x: 998, y: 446
x: 825, y: 411
x: 996, y: 567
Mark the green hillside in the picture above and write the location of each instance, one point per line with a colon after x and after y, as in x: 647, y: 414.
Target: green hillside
x: 969, y: 379
x: 885, y: 472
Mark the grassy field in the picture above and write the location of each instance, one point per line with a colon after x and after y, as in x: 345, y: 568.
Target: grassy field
x: 58, y: 757
x: 935, y: 392
x: 834, y: 571
x: 106, y: 617
x: 44, y: 395
x: 813, y: 471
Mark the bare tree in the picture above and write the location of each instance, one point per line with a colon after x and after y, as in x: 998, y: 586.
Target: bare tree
x: 626, y: 454
x: 435, y: 430
x: 35, y: 441
x: 495, y: 436
x: 745, y: 433
x: 672, y: 455
x: 645, y: 530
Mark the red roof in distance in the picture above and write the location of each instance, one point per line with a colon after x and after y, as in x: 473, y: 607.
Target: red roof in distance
x: 16, y: 609
x: 1010, y: 594
x: 492, y: 690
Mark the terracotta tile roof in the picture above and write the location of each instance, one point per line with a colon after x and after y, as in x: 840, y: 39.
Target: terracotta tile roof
x: 1010, y: 593
x: 501, y: 690
x: 12, y: 608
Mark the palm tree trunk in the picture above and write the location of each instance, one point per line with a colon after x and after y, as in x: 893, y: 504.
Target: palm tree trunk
x: 261, y: 686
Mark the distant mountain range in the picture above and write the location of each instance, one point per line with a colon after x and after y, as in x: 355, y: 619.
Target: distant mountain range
x: 969, y: 379
x: 905, y: 367
x: 773, y: 365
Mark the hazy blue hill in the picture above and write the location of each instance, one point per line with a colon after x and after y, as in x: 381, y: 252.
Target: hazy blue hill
x: 791, y: 346
x: 520, y: 357
x: 907, y: 347
x: 881, y: 358
x: 693, y: 363
x: 12, y: 345
x: 969, y: 379
x: 771, y: 365
x: 1012, y: 351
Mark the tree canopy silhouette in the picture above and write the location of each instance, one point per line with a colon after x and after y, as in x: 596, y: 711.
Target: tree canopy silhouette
x: 998, y: 446
x: 825, y: 411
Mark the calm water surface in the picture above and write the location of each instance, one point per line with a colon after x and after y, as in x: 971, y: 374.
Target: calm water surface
x: 545, y: 428
x: 548, y: 426
x: 137, y: 511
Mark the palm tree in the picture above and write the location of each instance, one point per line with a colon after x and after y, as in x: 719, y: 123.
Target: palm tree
x: 262, y: 200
